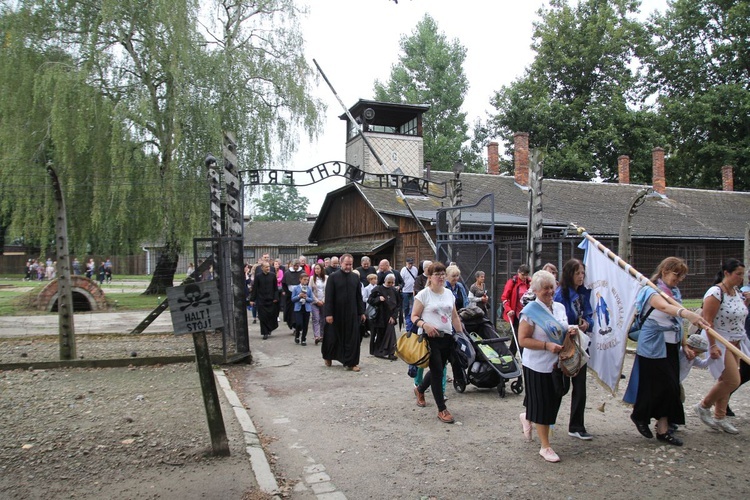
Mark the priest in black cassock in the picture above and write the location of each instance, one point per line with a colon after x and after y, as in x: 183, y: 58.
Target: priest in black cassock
x: 344, y: 311
x: 264, y: 294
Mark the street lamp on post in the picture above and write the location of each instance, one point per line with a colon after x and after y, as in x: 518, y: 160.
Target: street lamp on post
x: 456, y: 195
x: 624, y: 248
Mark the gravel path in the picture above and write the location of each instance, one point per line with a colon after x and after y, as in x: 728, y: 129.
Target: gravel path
x: 86, y: 433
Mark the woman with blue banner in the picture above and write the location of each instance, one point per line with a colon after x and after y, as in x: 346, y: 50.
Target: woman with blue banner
x: 657, y: 355
x: 542, y: 329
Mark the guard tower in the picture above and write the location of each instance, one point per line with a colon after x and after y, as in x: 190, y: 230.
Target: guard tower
x: 395, y: 132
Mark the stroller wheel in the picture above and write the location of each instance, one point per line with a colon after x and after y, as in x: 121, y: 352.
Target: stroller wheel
x: 459, y: 386
x: 517, y: 386
x: 501, y: 390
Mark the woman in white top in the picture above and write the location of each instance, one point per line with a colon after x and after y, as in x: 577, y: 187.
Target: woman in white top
x: 434, y: 311
x: 724, y: 308
x: 318, y: 285
x: 540, y: 352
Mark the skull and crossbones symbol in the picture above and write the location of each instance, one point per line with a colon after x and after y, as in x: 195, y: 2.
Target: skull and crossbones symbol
x: 194, y: 297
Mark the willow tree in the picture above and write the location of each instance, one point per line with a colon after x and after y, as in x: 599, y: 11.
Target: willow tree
x: 173, y: 76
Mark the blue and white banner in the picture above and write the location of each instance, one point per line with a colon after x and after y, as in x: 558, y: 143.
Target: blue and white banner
x: 613, y: 293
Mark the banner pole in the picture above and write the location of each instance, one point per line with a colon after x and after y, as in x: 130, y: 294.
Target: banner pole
x: 645, y: 281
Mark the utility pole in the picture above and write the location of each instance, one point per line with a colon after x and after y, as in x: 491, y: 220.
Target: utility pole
x: 536, y: 222
x: 66, y: 330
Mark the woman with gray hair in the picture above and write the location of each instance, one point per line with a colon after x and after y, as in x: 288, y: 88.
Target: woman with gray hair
x: 543, y: 325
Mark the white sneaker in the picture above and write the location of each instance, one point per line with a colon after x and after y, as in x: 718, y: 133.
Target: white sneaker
x: 549, y: 455
x: 726, y: 426
x: 705, y: 415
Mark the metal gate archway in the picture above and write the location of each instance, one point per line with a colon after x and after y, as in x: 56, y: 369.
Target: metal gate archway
x: 466, y: 235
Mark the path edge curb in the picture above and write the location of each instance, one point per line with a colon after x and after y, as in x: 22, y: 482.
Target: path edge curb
x: 258, y: 460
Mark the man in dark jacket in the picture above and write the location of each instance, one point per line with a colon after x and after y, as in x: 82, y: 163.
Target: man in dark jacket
x: 289, y: 281
x: 264, y: 295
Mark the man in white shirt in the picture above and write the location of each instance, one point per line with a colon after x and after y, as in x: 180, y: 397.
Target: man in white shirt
x: 408, y: 276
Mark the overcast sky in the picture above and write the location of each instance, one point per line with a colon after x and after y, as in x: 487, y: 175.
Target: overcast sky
x: 357, y: 41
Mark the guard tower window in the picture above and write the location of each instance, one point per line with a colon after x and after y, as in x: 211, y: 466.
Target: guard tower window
x: 408, y: 128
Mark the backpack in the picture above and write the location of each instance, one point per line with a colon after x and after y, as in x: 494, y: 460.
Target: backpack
x: 639, y: 319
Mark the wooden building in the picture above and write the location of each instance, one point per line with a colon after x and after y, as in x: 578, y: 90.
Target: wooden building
x: 705, y: 227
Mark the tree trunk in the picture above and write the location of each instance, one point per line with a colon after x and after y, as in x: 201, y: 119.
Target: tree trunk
x: 166, y: 266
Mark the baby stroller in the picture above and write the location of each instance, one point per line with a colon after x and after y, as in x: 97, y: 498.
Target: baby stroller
x: 493, y: 364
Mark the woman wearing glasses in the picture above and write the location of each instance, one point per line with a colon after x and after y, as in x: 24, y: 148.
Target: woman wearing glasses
x: 434, y: 311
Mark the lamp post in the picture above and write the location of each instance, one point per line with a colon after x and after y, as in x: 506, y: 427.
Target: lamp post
x: 456, y: 198
x: 624, y: 248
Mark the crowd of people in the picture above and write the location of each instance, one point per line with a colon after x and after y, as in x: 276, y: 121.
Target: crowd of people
x: 346, y: 305
x: 40, y: 270
x: 664, y: 354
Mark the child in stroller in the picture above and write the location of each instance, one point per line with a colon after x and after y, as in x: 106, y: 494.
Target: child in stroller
x: 493, y: 364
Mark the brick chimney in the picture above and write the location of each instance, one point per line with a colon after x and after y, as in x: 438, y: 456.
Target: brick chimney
x: 427, y: 169
x: 657, y: 159
x: 493, y: 159
x: 521, y: 157
x: 727, y: 178
x: 623, y: 169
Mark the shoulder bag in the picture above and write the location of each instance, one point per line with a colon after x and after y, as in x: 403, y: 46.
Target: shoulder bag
x: 413, y: 349
x: 572, y: 357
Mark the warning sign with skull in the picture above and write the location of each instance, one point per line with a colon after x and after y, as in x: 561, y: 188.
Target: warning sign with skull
x: 195, y: 307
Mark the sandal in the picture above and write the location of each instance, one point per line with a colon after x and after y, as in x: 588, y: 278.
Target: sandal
x: 669, y: 438
x: 642, y: 428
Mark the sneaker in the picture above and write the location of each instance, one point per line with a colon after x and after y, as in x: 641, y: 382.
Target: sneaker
x: 726, y: 426
x: 549, y: 455
x: 525, y: 426
x: 581, y: 435
x: 705, y: 415
x: 445, y: 416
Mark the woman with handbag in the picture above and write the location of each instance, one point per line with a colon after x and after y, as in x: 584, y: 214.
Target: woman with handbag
x: 434, y: 311
x: 724, y: 308
x: 577, y: 301
x: 657, y: 354
x: 542, y: 328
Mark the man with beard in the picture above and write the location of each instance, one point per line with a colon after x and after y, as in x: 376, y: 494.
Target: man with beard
x: 264, y: 295
x: 344, y: 312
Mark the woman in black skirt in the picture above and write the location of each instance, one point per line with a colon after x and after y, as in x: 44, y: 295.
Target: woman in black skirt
x: 658, y: 350
x: 542, y: 327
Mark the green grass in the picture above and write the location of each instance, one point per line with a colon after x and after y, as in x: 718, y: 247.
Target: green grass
x: 7, y: 303
x: 133, y: 301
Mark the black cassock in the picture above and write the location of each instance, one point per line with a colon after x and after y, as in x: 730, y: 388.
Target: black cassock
x: 341, y: 340
x: 383, y: 337
x: 263, y: 293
